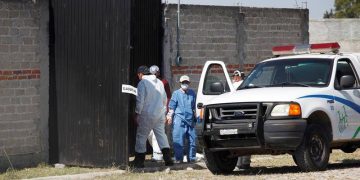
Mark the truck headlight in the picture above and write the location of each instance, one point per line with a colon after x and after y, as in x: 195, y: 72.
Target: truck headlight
x: 291, y: 109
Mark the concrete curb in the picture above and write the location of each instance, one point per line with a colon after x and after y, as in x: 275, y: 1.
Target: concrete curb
x: 150, y: 169
x: 82, y: 176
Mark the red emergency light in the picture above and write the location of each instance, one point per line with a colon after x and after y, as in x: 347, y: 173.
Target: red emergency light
x: 308, y: 48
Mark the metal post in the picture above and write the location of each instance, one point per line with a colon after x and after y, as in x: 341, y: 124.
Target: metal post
x: 178, y: 57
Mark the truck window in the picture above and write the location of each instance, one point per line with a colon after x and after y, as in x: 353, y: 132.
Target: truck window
x: 344, y: 67
x: 264, y: 75
x: 290, y: 72
x: 215, y: 73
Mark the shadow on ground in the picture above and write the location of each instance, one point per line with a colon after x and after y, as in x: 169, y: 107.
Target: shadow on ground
x: 347, y: 163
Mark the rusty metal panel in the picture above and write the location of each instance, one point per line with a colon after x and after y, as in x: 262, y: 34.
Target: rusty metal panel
x: 92, y: 60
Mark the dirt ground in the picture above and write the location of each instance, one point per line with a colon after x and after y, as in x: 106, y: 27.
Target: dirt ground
x: 341, y: 166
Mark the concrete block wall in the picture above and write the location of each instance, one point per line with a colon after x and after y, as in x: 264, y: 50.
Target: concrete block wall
x: 23, y: 82
x: 239, y: 36
x: 344, y: 31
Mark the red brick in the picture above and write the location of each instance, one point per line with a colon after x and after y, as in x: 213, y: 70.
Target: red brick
x: 35, y: 71
x: 22, y: 77
x: 7, y: 72
x: 17, y: 72
x: 26, y: 71
x: 184, y: 67
x: 195, y: 72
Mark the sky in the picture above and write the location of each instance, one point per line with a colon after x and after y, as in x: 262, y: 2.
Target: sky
x: 316, y: 7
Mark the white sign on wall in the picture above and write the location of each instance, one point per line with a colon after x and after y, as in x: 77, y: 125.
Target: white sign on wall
x: 129, y: 89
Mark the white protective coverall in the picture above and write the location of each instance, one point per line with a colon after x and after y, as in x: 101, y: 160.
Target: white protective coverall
x: 237, y: 84
x: 157, y: 154
x: 150, y: 107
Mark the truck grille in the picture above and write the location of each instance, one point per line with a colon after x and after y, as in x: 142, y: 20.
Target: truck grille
x: 236, y: 112
x: 244, y: 112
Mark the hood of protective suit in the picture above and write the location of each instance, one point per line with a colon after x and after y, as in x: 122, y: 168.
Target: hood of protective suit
x: 151, y: 99
x: 150, y: 78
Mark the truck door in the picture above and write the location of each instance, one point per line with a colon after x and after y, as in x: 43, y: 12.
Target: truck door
x: 214, y: 76
x: 347, y: 101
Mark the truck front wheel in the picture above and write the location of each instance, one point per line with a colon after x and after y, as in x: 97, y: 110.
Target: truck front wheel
x: 314, y: 151
x: 218, y: 162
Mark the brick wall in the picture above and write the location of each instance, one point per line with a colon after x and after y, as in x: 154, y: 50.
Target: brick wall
x: 23, y: 49
x: 344, y: 31
x: 241, y: 37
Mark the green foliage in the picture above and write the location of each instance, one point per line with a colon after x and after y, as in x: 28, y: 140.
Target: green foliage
x: 328, y: 14
x: 347, y: 8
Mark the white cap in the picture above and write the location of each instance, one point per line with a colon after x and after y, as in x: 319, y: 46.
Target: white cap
x: 238, y: 73
x: 154, y: 69
x: 184, y: 78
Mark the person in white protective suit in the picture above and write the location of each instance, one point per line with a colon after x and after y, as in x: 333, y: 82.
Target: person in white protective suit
x: 157, y: 154
x: 150, y: 115
x: 238, y: 78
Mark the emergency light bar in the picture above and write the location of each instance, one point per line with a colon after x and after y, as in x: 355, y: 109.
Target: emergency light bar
x: 305, y: 49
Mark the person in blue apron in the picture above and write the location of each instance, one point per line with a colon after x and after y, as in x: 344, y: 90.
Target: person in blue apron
x: 182, y: 116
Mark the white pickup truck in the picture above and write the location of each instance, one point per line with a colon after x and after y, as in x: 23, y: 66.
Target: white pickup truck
x: 304, y: 105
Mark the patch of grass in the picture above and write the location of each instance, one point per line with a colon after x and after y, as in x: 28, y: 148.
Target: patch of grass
x: 43, y: 170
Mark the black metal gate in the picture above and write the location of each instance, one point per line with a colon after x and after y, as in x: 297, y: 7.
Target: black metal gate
x: 146, y: 43
x: 91, y: 118
x: 92, y: 60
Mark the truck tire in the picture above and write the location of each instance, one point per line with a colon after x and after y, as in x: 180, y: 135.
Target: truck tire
x: 218, y: 162
x: 314, y: 151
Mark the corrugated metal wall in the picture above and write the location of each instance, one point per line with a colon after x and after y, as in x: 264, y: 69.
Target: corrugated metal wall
x: 92, y: 59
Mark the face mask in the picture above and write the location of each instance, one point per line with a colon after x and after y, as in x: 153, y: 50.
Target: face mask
x: 184, y: 86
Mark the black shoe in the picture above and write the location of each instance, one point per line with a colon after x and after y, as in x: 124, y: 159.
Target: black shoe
x: 138, y: 162
x: 167, y: 157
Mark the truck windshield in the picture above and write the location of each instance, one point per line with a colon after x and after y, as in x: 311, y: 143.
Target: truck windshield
x: 290, y: 72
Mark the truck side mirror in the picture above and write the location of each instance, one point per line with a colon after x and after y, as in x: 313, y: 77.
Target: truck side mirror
x: 216, y: 88
x: 200, y: 105
x: 347, y: 81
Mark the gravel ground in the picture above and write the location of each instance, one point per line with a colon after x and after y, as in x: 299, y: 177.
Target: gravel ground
x: 341, y: 166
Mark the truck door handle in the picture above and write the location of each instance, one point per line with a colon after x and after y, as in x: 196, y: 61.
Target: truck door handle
x: 200, y: 105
